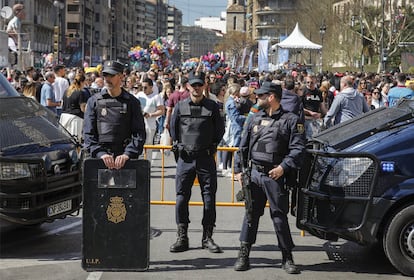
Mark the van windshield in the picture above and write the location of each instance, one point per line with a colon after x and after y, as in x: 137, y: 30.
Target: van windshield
x: 23, y: 122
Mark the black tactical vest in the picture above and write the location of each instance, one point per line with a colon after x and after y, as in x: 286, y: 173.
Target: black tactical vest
x: 113, y: 121
x: 196, y: 127
x: 270, y: 140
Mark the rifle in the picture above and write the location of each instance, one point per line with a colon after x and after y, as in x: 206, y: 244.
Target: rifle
x: 245, y: 193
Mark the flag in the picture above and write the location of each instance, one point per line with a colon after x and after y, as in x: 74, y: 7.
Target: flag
x: 263, y: 56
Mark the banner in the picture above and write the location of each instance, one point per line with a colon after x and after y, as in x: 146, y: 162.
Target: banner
x: 251, y: 61
x: 282, y: 54
x: 263, y: 60
x: 243, y: 57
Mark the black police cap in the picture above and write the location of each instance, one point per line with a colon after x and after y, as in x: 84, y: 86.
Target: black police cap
x: 113, y: 67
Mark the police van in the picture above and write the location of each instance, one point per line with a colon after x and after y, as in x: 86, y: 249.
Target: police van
x: 357, y: 183
x: 40, y: 175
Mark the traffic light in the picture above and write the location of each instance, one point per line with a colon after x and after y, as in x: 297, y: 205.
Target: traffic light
x: 384, y: 54
x: 56, y: 39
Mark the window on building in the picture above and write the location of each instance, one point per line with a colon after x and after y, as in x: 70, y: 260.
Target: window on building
x: 73, y: 8
x: 234, y: 23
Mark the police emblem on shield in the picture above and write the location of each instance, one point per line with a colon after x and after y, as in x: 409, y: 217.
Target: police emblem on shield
x: 116, y: 211
x: 103, y: 112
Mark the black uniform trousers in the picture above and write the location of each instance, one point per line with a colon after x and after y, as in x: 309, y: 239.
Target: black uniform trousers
x: 205, y: 168
x: 264, y: 188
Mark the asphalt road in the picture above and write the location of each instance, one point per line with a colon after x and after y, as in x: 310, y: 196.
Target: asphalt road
x: 53, y: 251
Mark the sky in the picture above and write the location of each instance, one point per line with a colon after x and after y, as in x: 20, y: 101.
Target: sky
x: 194, y: 9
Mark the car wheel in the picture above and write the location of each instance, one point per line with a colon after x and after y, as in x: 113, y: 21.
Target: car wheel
x: 398, y: 240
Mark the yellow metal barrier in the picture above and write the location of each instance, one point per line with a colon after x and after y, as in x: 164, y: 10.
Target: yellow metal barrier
x: 162, y: 200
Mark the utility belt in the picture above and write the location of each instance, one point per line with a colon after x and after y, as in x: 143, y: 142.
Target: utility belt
x: 195, y: 154
x: 114, y: 148
x: 262, y: 168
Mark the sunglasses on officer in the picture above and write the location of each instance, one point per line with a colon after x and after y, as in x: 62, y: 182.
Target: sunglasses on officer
x: 107, y: 75
x: 262, y: 95
x: 197, y: 85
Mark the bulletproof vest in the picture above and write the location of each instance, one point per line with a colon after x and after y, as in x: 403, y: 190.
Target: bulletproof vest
x: 113, y: 121
x: 196, y: 127
x: 270, y: 140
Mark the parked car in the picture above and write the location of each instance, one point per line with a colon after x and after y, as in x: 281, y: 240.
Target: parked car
x: 40, y: 166
x: 357, y: 183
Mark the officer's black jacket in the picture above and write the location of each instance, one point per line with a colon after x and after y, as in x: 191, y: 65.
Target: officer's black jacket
x: 290, y: 151
x: 210, y: 105
x: 133, y: 146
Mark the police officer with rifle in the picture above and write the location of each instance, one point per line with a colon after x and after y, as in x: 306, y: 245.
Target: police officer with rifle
x: 114, y: 128
x: 196, y: 129
x: 272, y: 144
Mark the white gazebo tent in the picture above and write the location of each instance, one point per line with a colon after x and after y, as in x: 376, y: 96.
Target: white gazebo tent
x: 296, y: 40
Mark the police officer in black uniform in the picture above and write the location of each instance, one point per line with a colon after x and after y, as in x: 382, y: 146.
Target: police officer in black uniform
x: 196, y: 129
x: 272, y: 144
x: 114, y: 128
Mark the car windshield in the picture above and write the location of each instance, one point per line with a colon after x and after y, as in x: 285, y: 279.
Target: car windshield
x: 23, y: 122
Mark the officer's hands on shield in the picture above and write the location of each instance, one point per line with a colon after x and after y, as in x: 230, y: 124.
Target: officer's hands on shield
x: 116, y: 163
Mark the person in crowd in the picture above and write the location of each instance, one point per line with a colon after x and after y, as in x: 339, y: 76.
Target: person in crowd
x: 152, y: 107
x: 47, y: 94
x: 399, y: 91
x: 151, y: 74
x: 236, y: 119
x: 38, y: 84
x: 384, y: 93
x: 196, y: 129
x: 377, y: 101
x: 74, y: 99
x: 362, y: 86
x: 14, y: 27
x: 29, y: 90
x: 290, y: 101
x: 313, y: 106
x: 348, y: 104
x: 218, y: 89
x: 178, y: 95
x: 60, y: 85
x: 131, y: 85
x: 114, y: 128
x: 272, y: 144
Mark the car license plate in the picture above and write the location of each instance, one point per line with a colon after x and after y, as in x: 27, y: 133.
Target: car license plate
x: 60, y: 207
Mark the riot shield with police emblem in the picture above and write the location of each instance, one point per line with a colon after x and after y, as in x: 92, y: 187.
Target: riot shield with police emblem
x: 116, y: 216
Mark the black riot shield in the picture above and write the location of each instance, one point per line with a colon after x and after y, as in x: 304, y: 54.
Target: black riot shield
x: 116, y: 221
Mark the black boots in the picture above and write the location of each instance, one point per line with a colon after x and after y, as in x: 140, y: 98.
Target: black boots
x: 242, y: 262
x: 181, y: 244
x: 208, y: 242
x: 288, y: 264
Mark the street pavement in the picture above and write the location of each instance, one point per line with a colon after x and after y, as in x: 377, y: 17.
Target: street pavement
x: 318, y: 259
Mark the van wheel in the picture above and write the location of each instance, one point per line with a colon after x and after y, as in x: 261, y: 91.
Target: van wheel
x: 398, y: 240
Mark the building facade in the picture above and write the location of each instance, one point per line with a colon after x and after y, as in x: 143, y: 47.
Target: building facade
x: 86, y: 32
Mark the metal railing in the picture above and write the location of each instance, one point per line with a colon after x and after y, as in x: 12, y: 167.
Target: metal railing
x: 162, y: 200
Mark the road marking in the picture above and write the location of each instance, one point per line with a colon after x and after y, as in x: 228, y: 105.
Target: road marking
x: 95, y: 275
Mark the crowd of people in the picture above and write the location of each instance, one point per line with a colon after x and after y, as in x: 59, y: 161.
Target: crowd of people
x: 268, y: 116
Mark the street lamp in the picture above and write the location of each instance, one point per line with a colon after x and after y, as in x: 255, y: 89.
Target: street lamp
x: 322, y: 31
x: 353, y: 19
x: 59, y: 6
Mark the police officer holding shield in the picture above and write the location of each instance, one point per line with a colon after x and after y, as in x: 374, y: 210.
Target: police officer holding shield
x: 272, y: 144
x: 196, y: 129
x: 114, y: 128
